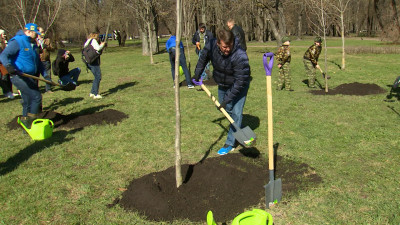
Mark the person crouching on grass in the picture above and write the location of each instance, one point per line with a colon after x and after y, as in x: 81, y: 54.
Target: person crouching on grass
x: 231, y: 73
x: 60, y: 67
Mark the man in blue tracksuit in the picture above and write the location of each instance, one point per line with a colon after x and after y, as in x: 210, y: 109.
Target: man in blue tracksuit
x: 232, y: 74
x: 22, y: 56
x: 171, y: 49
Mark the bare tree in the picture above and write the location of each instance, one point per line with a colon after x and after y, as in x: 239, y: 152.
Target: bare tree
x: 178, y: 158
x: 340, y: 7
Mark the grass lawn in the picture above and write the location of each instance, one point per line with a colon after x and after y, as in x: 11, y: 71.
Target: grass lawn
x: 351, y: 141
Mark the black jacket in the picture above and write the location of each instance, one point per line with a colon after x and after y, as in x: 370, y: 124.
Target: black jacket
x: 231, y: 72
x: 196, y: 38
x: 239, y: 33
x: 61, y: 64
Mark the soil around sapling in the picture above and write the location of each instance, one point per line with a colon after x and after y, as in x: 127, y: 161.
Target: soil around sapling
x: 227, y: 185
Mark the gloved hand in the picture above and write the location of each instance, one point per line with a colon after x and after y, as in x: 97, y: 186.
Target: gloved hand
x: 10, y: 68
x: 196, y: 77
x: 222, y: 105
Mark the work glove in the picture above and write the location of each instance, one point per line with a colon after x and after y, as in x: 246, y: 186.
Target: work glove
x: 11, y: 69
x: 196, y: 77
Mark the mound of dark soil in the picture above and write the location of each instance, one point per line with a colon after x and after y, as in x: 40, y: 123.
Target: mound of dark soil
x: 78, y: 120
x: 226, y: 185
x: 352, y: 89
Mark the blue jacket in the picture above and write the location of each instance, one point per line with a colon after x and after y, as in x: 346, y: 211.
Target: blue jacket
x: 231, y: 72
x: 172, y: 43
x: 22, y: 54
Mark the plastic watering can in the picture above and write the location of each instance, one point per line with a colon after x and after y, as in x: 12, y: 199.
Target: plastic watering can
x: 40, y: 129
x: 254, y: 217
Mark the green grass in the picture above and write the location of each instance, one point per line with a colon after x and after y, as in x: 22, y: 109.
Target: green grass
x: 351, y: 141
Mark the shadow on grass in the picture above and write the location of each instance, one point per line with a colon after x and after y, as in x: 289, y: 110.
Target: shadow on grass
x: 251, y: 121
x: 13, y: 162
x: 66, y: 101
x: 392, y: 108
x: 119, y: 88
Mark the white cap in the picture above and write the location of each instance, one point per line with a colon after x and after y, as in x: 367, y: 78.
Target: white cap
x: 1, y: 32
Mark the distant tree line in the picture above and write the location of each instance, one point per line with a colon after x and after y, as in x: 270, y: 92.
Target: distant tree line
x: 262, y: 20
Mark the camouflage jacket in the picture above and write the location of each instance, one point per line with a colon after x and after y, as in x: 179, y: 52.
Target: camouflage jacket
x: 44, y: 50
x: 283, y: 55
x: 312, y: 53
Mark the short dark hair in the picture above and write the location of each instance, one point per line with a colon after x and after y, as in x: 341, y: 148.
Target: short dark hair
x: 225, y: 35
x: 202, y: 25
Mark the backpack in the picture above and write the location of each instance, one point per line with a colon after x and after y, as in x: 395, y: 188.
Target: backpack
x: 89, y: 54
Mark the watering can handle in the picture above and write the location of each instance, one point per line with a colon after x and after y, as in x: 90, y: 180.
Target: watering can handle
x: 268, y: 65
x: 198, y: 83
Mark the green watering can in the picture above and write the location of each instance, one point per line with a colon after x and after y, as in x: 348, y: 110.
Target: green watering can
x: 40, y: 129
x: 254, y: 217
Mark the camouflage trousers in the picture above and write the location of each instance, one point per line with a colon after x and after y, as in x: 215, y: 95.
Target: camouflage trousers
x: 310, y: 71
x: 284, y: 77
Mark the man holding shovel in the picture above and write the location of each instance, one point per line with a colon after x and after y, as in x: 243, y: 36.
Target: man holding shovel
x: 22, y: 56
x: 310, y: 60
x: 231, y: 73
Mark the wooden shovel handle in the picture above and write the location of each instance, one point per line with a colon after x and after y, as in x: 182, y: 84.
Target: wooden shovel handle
x: 270, y: 125
x: 217, y: 103
x: 39, y: 78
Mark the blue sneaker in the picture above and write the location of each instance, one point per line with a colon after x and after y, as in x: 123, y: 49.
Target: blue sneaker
x: 225, y: 150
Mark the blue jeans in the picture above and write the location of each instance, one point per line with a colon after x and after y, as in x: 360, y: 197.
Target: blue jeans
x: 204, y: 74
x: 182, y: 62
x: 30, y: 94
x: 234, y: 109
x: 71, y: 77
x: 97, y: 78
x: 47, y: 76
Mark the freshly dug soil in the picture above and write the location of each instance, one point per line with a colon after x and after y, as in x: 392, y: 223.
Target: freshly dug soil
x: 78, y: 120
x: 226, y: 185
x: 352, y: 89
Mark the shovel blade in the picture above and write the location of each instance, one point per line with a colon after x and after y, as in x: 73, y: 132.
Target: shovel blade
x: 273, y: 192
x: 245, y: 136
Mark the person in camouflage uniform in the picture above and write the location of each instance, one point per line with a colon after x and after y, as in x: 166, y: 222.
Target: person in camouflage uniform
x: 283, y: 58
x: 310, y: 60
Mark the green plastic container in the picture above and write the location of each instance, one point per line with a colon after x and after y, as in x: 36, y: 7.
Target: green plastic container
x: 40, y: 129
x: 254, y: 217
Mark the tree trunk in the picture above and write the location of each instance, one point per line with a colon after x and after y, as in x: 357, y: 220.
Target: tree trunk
x: 150, y: 43
x: 299, y: 22
x: 178, y: 158
x: 342, y: 35
x: 323, y: 23
x: 203, y: 12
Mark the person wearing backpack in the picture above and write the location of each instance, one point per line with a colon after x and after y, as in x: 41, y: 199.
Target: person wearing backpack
x: 93, y: 42
x: 60, y: 68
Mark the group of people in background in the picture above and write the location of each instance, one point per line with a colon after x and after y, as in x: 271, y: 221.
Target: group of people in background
x: 27, y: 55
x: 231, y: 69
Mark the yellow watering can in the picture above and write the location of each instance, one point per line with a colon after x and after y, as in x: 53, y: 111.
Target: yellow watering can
x: 40, y: 129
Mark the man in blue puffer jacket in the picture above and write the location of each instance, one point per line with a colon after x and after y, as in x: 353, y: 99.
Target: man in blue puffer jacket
x: 232, y: 74
x: 22, y: 55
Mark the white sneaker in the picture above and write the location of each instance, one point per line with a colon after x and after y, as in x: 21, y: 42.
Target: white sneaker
x: 97, y: 96
x: 91, y: 95
x: 10, y: 95
x: 190, y: 86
